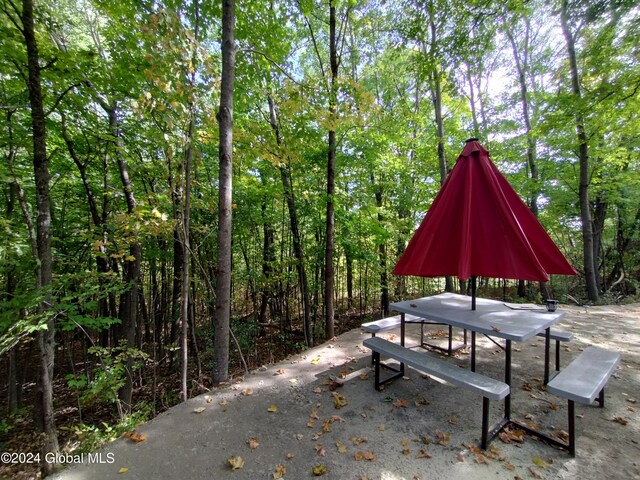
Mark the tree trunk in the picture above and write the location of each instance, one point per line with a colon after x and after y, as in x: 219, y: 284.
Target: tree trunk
x: 436, y: 96
x: 382, y: 254
x: 225, y: 121
x: 331, y: 166
x: 287, y: 187
x: 585, y: 207
x: 46, y: 337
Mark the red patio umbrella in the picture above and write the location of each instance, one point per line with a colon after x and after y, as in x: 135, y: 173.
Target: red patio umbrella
x: 479, y: 226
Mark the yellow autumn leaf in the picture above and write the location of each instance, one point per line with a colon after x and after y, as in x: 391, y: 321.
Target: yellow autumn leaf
x: 272, y: 409
x: 319, y: 470
x: 123, y: 470
x: 199, y: 410
x: 279, y: 472
x: 315, y: 360
x: 540, y: 462
x: 236, y: 462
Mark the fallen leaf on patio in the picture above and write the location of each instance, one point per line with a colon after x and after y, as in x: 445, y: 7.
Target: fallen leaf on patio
x: 123, y: 470
x: 337, y: 418
x: 320, y: 450
x: 311, y: 423
x: 460, y: 457
x: 619, y: 420
x: 368, y: 455
x: 442, y: 438
x: 326, y: 425
x: 279, y: 472
x: 363, y: 376
x: 406, y: 452
x: 280, y: 371
x: 535, y: 473
x: 426, y: 440
x: 223, y: 402
x: 553, y: 406
x: 481, y: 459
x: 358, y: 440
x: 529, y: 416
x: 317, y: 390
x: 422, y: 402
x: 342, y: 448
x: 413, y: 305
x: 509, y: 466
x: 253, y: 443
x: 404, y: 442
x: 314, y: 414
x: 236, y: 462
x: 339, y: 401
x: 209, y: 399
x: 319, y: 470
x: 562, y: 435
x: 453, y: 421
x: 381, y: 428
x: 631, y: 400
x: 135, y: 436
x: 247, y: 392
x: 527, y: 387
x: 316, y: 436
x: 343, y: 374
x: 540, y: 462
x: 423, y: 454
x: 272, y: 409
x: 400, y: 403
x: 199, y: 410
x: 631, y: 409
x: 299, y: 436
x: 289, y: 456
x: 315, y: 361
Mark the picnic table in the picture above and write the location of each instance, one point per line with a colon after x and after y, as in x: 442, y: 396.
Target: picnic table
x: 491, y: 318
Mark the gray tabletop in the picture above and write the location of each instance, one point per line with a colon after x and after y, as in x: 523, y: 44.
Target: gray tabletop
x: 491, y: 317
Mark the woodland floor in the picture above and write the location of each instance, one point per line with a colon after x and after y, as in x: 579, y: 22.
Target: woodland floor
x: 282, y: 419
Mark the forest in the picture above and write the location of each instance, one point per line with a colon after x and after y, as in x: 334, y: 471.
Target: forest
x: 192, y: 189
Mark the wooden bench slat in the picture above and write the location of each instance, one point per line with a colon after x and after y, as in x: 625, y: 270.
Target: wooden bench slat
x: 485, y: 386
x: 584, y: 378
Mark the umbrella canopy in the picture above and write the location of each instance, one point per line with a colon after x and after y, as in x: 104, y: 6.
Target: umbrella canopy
x: 479, y: 226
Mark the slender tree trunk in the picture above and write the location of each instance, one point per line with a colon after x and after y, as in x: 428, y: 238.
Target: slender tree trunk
x: 46, y: 337
x: 436, y: 94
x: 287, y: 187
x: 331, y: 166
x: 382, y: 254
x: 225, y: 121
x: 585, y: 207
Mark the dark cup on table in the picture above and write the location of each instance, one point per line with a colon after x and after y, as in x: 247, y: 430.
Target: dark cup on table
x: 551, y: 305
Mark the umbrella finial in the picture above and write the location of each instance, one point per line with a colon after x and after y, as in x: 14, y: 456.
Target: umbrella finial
x: 471, y: 140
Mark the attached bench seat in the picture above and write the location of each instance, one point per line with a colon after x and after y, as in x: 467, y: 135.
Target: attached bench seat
x: 489, y: 388
x: 389, y: 323
x: 582, y: 381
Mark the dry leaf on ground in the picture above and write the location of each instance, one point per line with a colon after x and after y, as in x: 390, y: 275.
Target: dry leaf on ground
x: 236, y: 462
x: 253, y: 443
x: 134, y: 436
x: 279, y: 472
x: 319, y: 470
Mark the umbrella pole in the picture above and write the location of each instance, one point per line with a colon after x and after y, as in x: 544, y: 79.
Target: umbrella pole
x: 473, y: 292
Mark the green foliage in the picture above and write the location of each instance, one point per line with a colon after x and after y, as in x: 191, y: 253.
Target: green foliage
x: 116, y: 363
x: 91, y: 437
